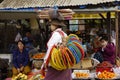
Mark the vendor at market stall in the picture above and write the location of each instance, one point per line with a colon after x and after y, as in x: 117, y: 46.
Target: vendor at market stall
x: 20, y: 60
x: 108, y: 49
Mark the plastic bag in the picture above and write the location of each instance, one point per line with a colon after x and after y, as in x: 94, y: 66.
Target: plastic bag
x: 18, y: 37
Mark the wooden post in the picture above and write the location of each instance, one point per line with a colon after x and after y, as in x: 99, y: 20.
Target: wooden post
x: 109, y: 26
x: 47, y: 29
x: 5, y: 37
x: 117, y: 29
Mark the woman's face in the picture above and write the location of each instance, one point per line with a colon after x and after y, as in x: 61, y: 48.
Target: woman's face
x: 52, y: 27
x: 103, y: 43
x: 20, y: 45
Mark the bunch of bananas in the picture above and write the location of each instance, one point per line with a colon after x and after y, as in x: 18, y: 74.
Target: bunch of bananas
x: 20, y: 76
x: 65, y: 57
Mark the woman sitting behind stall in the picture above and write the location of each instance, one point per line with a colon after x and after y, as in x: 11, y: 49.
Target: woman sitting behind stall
x: 108, y: 49
x: 20, y: 60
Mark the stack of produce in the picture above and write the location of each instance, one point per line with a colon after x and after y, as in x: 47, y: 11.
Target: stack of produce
x: 38, y: 56
x: 64, y: 57
x: 106, y: 75
x: 81, y: 75
x: 105, y: 65
x: 35, y: 76
x: 20, y: 76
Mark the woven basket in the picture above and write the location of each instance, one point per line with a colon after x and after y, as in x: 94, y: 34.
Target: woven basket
x: 86, y: 63
x: 118, y: 61
x: 37, y: 63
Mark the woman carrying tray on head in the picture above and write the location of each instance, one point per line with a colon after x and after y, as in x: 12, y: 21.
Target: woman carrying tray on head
x: 53, y: 74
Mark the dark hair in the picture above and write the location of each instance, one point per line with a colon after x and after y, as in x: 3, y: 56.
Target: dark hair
x: 21, y: 42
x: 104, y: 37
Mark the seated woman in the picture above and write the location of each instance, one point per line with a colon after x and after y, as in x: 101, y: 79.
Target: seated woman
x: 108, y: 49
x: 20, y: 60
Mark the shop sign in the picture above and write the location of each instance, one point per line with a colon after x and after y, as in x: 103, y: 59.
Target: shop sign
x: 91, y: 16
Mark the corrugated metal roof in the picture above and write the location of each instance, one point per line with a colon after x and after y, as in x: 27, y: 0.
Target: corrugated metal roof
x: 12, y: 6
x: 48, y: 3
x: 17, y: 15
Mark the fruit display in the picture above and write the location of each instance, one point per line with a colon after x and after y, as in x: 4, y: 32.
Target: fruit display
x: 105, y: 65
x: 81, y: 75
x: 20, y: 76
x: 37, y: 77
x: 38, y: 56
x: 106, y: 75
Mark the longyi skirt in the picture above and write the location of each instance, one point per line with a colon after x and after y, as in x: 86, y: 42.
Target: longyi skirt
x: 53, y: 74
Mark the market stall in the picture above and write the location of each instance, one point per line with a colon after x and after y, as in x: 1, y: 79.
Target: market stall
x: 100, y: 71
x: 37, y: 60
x: 80, y: 73
x: 104, y: 70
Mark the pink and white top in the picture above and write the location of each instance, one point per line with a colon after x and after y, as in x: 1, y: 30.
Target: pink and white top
x: 54, y: 40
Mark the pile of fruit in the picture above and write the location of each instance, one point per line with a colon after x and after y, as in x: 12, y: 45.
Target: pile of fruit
x: 105, y: 65
x: 20, y: 76
x: 106, y: 75
x: 39, y: 56
x: 37, y: 77
x: 81, y: 75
